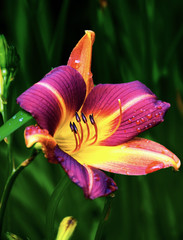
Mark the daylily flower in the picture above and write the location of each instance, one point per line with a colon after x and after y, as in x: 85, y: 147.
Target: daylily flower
x: 87, y: 129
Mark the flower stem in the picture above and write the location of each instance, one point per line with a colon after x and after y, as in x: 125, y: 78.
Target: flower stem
x: 104, y: 216
x: 9, y: 185
x: 55, y: 199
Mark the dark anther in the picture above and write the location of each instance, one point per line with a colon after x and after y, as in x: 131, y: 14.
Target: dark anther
x: 74, y: 127
x: 71, y: 127
x: 83, y: 118
x: 77, y: 117
x: 92, y: 119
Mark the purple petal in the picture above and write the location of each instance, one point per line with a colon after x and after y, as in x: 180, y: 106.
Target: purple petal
x: 140, y: 110
x: 94, y: 182
x: 55, y: 98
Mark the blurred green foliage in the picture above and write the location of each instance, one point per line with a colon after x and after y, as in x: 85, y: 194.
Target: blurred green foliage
x: 134, y: 40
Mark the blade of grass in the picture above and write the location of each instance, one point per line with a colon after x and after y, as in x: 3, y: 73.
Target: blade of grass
x: 14, y: 123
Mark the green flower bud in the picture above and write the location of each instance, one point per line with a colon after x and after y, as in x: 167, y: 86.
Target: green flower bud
x: 3, y: 51
x: 9, y: 61
x: 9, y: 58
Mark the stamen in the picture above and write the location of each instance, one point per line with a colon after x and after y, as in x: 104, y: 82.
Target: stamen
x: 71, y: 127
x: 83, y: 118
x: 79, y: 136
x: 88, y: 129
x: 74, y: 130
x: 78, y: 119
x: 119, y: 120
x: 96, y: 129
x: 76, y: 134
x: 92, y: 119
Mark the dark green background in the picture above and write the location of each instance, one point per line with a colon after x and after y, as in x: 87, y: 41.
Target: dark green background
x: 134, y: 40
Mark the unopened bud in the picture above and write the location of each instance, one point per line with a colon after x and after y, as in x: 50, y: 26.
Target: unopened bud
x: 66, y: 228
x: 9, y: 61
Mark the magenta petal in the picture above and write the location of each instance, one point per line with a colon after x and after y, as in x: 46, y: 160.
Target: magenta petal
x: 140, y: 109
x: 94, y: 182
x: 55, y: 98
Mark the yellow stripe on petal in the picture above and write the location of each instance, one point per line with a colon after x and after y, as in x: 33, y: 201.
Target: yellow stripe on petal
x: 136, y: 157
x: 106, y: 122
x: 58, y: 96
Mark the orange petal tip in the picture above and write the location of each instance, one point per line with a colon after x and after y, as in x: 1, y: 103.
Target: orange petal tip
x: 80, y: 58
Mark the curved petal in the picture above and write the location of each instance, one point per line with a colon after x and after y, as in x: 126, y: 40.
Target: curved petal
x: 55, y: 98
x: 80, y: 58
x: 136, y: 157
x: 34, y: 134
x: 94, y: 182
x: 122, y: 111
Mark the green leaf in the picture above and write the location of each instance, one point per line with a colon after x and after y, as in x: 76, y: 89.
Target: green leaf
x: 14, y: 123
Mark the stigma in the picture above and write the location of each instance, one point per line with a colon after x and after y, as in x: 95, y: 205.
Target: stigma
x: 82, y: 127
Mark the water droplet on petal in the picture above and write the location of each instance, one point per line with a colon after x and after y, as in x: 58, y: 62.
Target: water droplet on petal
x: 61, y: 159
x: 159, y: 107
x: 129, y: 120
x: 142, y: 119
x: 21, y: 119
x: 77, y: 64
x: 154, y: 166
x: 96, y: 177
x: 138, y: 130
x: 149, y: 115
x: 138, y: 122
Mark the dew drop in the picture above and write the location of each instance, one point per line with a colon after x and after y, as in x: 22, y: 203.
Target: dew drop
x: 142, y: 119
x: 96, y: 177
x: 154, y: 166
x: 77, y: 64
x: 149, y: 115
x: 138, y: 122
x: 159, y: 107
x: 75, y: 180
x: 138, y: 129
x: 21, y: 119
x: 157, y: 115
x: 61, y: 160
x: 129, y: 120
x: 14, y: 116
